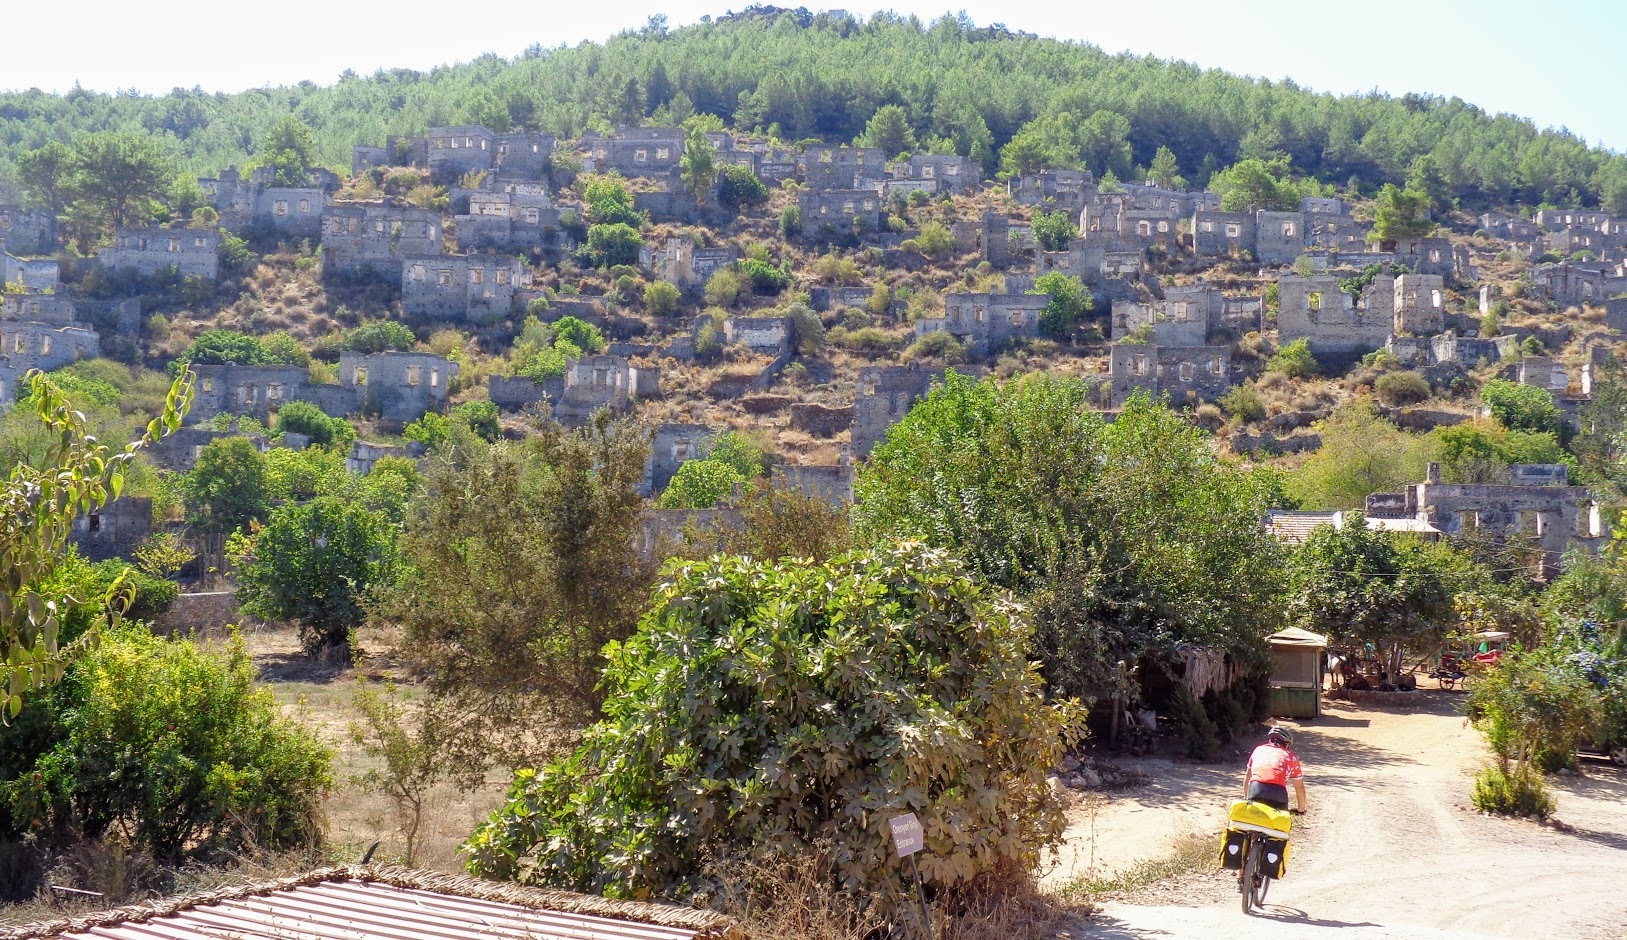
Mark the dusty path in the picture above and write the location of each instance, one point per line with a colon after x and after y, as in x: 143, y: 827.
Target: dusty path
x: 1391, y: 847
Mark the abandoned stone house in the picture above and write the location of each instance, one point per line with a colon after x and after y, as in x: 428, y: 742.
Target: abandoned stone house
x: 397, y: 386
x: 882, y: 397
x: 1217, y: 234
x: 378, y: 235
x: 766, y: 335
x: 1114, y: 222
x: 670, y: 446
x: 454, y: 151
x: 257, y: 390
x: 840, y: 211
x: 36, y: 275
x: 948, y: 173
x: 1615, y: 314
x: 1279, y: 237
x: 987, y: 322
x: 1176, y: 322
x: 1419, y: 306
x: 254, y: 201
x: 842, y: 168
x: 1323, y: 205
x: 1338, y: 232
x: 1556, y: 219
x: 592, y: 383
x: 1235, y: 315
x: 775, y: 165
x: 507, y: 220
x: 1055, y: 189
x: 1543, y: 372
x: 832, y: 483
x: 679, y: 262
x: 478, y: 288
x: 364, y: 454
x: 1471, y: 351
x: 1572, y: 283
x: 523, y: 156
x: 636, y: 151
x: 1150, y: 196
x: 40, y: 331
x: 1424, y: 255
x: 1318, y: 310
x: 1509, y: 227
x: 1186, y: 374
x: 192, y: 252
x: 27, y: 231
x: 113, y: 531
x: 1537, y: 507
x: 398, y: 150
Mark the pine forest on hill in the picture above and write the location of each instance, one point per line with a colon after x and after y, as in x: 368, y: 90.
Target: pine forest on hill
x: 801, y: 75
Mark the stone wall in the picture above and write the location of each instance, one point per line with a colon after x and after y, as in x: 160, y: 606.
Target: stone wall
x: 210, y: 612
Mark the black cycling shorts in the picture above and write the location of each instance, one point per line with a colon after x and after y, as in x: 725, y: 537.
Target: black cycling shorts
x: 1274, y: 795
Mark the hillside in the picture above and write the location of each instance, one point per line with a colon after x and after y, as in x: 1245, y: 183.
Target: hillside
x: 802, y: 76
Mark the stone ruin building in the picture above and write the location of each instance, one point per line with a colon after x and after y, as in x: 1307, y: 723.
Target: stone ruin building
x: 36, y: 275
x: 843, y: 168
x: 243, y: 203
x: 883, y: 396
x: 841, y: 211
x: 635, y: 151
x: 1318, y: 310
x: 832, y: 483
x: 1186, y: 374
x: 987, y: 322
x: 40, y: 331
x: 477, y: 288
x: 191, y: 252
x: 1188, y: 316
x: 1537, y: 506
x: 670, y: 446
x: 589, y: 384
x: 507, y: 217
x: 398, y: 386
x: 679, y: 262
x: 28, y: 231
x: 378, y: 236
x: 1055, y: 190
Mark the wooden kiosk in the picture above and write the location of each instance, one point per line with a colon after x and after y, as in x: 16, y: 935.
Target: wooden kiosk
x: 1296, y: 673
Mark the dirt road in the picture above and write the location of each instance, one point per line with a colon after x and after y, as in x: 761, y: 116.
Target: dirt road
x: 1391, y: 847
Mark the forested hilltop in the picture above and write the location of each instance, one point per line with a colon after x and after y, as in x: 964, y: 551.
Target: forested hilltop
x: 801, y: 75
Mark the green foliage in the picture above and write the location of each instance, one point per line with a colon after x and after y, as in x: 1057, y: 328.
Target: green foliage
x: 1054, y: 230
x: 1294, y: 360
x: 1401, y: 213
x: 579, y: 333
x: 173, y: 748
x: 791, y: 221
x: 698, y: 165
x: 739, y: 187
x: 1070, y: 300
x: 405, y: 744
x: 1243, y: 402
x: 1081, y: 517
x: 376, y: 336
x: 302, y: 417
x: 1362, y: 453
x: 163, y: 555
x: 117, y: 177
x: 938, y: 346
x: 1522, y: 407
x: 432, y: 430
x: 1480, y: 451
x: 723, y: 288
x: 613, y: 243
x: 234, y: 251
x: 609, y: 202
x: 765, y: 278
x: 299, y: 475
x: 889, y: 131
x: 218, y: 347
x: 313, y: 563
x: 506, y: 612
x: 807, y: 328
x: 934, y: 241
x: 228, y: 487
x: 661, y: 299
x: 479, y: 417
x: 1518, y: 792
x: 1165, y: 169
x: 1401, y: 388
x: 700, y: 484
x: 750, y: 686
x: 1256, y: 184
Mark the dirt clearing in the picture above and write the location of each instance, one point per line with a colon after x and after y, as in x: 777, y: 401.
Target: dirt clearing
x: 1390, y: 848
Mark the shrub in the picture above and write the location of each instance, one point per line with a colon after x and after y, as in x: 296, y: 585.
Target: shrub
x: 802, y: 667
x: 1519, y: 792
x: 1294, y: 360
x: 738, y: 187
x: 383, y: 336
x: 302, y: 417
x: 1522, y: 407
x: 866, y: 340
x: 175, y: 749
x: 723, y: 288
x: 765, y: 277
x: 791, y: 221
x: 1243, y: 402
x: 1070, y: 300
x: 579, y: 333
x: 941, y: 345
x: 808, y: 329
x: 661, y: 299
x: 1054, y: 230
x: 479, y: 417
x: 1401, y: 388
x: 700, y: 484
x: 613, y: 243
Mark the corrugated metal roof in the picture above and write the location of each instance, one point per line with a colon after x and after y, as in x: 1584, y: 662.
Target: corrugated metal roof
x: 356, y: 903
x: 1294, y: 526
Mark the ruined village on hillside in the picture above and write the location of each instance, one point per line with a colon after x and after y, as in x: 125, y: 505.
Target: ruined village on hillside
x: 907, y: 530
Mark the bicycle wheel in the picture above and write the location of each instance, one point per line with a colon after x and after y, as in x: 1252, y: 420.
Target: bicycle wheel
x: 1251, y: 871
x: 1261, y: 885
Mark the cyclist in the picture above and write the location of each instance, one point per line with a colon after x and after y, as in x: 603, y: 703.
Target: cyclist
x: 1271, y: 767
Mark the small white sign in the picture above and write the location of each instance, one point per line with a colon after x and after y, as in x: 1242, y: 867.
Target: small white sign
x: 906, y: 834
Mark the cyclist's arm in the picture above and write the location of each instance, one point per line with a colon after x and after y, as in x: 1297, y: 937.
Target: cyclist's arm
x: 1299, y: 791
x: 1248, y: 777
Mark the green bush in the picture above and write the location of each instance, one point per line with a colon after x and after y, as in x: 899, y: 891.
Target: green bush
x: 381, y: 336
x: 723, y: 288
x: 172, y: 747
x: 579, y: 333
x: 302, y: 417
x: 934, y: 241
x: 479, y: 417
x: 613, y: 243
x: 738, y: 187
x: 766, y: 707
x: 1520, y: 792
x: 1243, y: 402
x: 1401, y: 388
x: 661, y: 299
x: 941, y: 345
x: 700, y: 484
x: 1294, y: 360
x: 765, y: 277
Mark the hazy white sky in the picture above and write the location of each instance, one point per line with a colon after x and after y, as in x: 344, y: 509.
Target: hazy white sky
x: 1558, y: 63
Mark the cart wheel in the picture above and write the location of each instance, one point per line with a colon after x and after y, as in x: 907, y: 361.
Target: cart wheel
x: 1618, y: 756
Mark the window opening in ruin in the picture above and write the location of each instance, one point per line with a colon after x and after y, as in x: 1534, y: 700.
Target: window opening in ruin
x: 1434, y: 298
x: 641, y: 156
x: 417, y: 273
x: 94, y: 523
x: 1233, y: 230
x: 304, y: 205
x: 45, y: 345
x: 663, y: 153
x: 1143, y: 228
x: 434, y: 378
x: 477, y: 276
x: 280, y: 207
x: 274, y: 392
x: 1206, y: 226
x: 1186, y: 372
x: 361, y: 375
x: 175, y: 244
x: 208, y: 384
x: 1217, y: 366
x: 1288, y: 230
x: 412, y: 375
x: 1138, y: 365
x: 444, y: 277
x: 1316, y: 300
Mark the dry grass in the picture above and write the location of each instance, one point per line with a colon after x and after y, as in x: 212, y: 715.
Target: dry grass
x: 1192, y: 854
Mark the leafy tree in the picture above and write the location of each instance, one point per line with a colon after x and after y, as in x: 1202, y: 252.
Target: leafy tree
x: 1165, y: 169
x: 889, y: 131
x: 1104, y: 143
x: 46, y: 174
x: 1480, y: 451
x: 431, y: 430
x: 654, y: 789
x: 1080, y: 518
x: 698, y: 165
x: 610, y: 202
x: 740, y: 187
x: 508, y: 611
x: 661, y: 299
x: 776, y: 522
x: 115, y: 172
x: 313, y: 563
x: 227, y: 488
x: 479, y: 417
x: 290, y: 148
x: 723, y: 288
x: 1395, y: 592
x: 1054, y: 230
x: 934, y: 241
x: 765, y: 278
x: 173, y: 748
x: 579, y: 333
x: 700, y: 484
x: 613, y: 244
x: 1425, y: 177
x: 1255, y: 184
x: 1025, y: 155
x: 791, y: 221
x: 1361, y: 454
x: 376, y: 336
x: 73, y: 472
x: 302, y: 417
x: 1070, y: 300
x: 1401, y: 213
x: 1522, y: 407
x: 404, y: 742
x: 807, y: 328
x: 1294, y: 360
x: 218, y: 347
x: 281, y: 349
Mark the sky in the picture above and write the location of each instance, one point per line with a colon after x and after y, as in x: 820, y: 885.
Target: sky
x: 1559, y: 64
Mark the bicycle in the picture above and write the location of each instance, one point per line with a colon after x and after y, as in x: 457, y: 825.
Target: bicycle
x: 1254, y: 879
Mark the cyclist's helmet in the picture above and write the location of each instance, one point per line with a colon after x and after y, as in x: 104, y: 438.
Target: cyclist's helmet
x: 1280, y: 735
